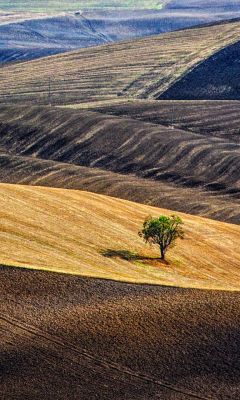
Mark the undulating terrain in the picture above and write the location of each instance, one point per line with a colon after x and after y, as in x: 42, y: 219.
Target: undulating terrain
x: 215, y: 118
x: 88, y: 310
x: 92, y: 235
x: 29, y: 35
x: 140, y: 161
x: 63, y: 334
x: 144, y: 68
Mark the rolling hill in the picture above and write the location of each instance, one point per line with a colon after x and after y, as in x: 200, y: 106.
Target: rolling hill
x: 60, y: 331
x: 35, y: 171
x: 97, y: 236
x: 43, y: 36
x: 88, y: 310
x: 220, y: 74
x: 209, y: 118
x: 26, y: 36
x: 142, y: 68
x: 64, y: 334
x: 177, y: 168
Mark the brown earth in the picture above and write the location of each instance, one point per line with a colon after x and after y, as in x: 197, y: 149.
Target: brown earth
x: 38, y: 172
x: 64, y: 336
x: 209, y: 118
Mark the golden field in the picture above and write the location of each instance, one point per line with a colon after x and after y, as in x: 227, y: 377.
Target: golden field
x: 86, y: 234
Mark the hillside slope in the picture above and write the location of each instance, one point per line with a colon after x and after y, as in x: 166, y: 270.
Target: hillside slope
x: 189, y: 172
x: 26, y: 36
x: 208, y: 118
x: 97, y: 236
x: 35, y: 171
x: 214, y: 79
x: 89, y: 139
x: 64, y: 334
x: 141, y: 68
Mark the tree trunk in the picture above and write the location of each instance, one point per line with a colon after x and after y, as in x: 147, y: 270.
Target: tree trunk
x: 162, y: 253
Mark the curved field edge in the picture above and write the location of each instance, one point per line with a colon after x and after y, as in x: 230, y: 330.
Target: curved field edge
x: 97, y: 236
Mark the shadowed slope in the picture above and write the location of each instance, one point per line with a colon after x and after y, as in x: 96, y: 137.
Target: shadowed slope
x: 82, y: 233
x: 209, y: 118
x: 122, y: 145
x: 150, y: 342
x: 215, y: 79
x: 141, y: 68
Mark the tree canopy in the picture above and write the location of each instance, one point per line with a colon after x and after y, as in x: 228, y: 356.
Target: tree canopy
x: 162, y: 231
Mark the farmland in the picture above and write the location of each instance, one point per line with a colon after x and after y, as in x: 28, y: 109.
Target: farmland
x: 53, y: 5
x: 60, y: 332
x: 89, y: 147
x: 71, y: 231
x: 26, y: 36
x: 80, y: 138
x: 210, y: 118
x: 144, y: 68
x: 62, y: 329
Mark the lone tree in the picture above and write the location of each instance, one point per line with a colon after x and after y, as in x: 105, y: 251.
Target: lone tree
x: 162, y: 231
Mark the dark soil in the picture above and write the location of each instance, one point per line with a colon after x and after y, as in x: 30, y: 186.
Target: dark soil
x: 69, y: 337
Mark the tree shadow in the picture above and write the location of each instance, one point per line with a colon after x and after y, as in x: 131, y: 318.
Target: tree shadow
x: 132, y: 256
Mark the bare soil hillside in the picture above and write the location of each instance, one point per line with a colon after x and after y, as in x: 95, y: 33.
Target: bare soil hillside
x: 64, y: 336
x: 210, y: 118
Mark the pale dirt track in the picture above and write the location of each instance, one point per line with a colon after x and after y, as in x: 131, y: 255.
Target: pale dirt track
x: 86, y: 234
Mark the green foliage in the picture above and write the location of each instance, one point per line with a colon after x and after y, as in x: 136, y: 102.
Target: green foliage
x: 162, y: 231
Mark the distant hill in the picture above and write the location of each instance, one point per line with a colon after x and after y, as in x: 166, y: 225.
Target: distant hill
x: 200, y: 5
x: 144, y: 68
x: 183, y: 158
x: 27, y: 35
x: 63, y: 5
x: 217, y: 78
